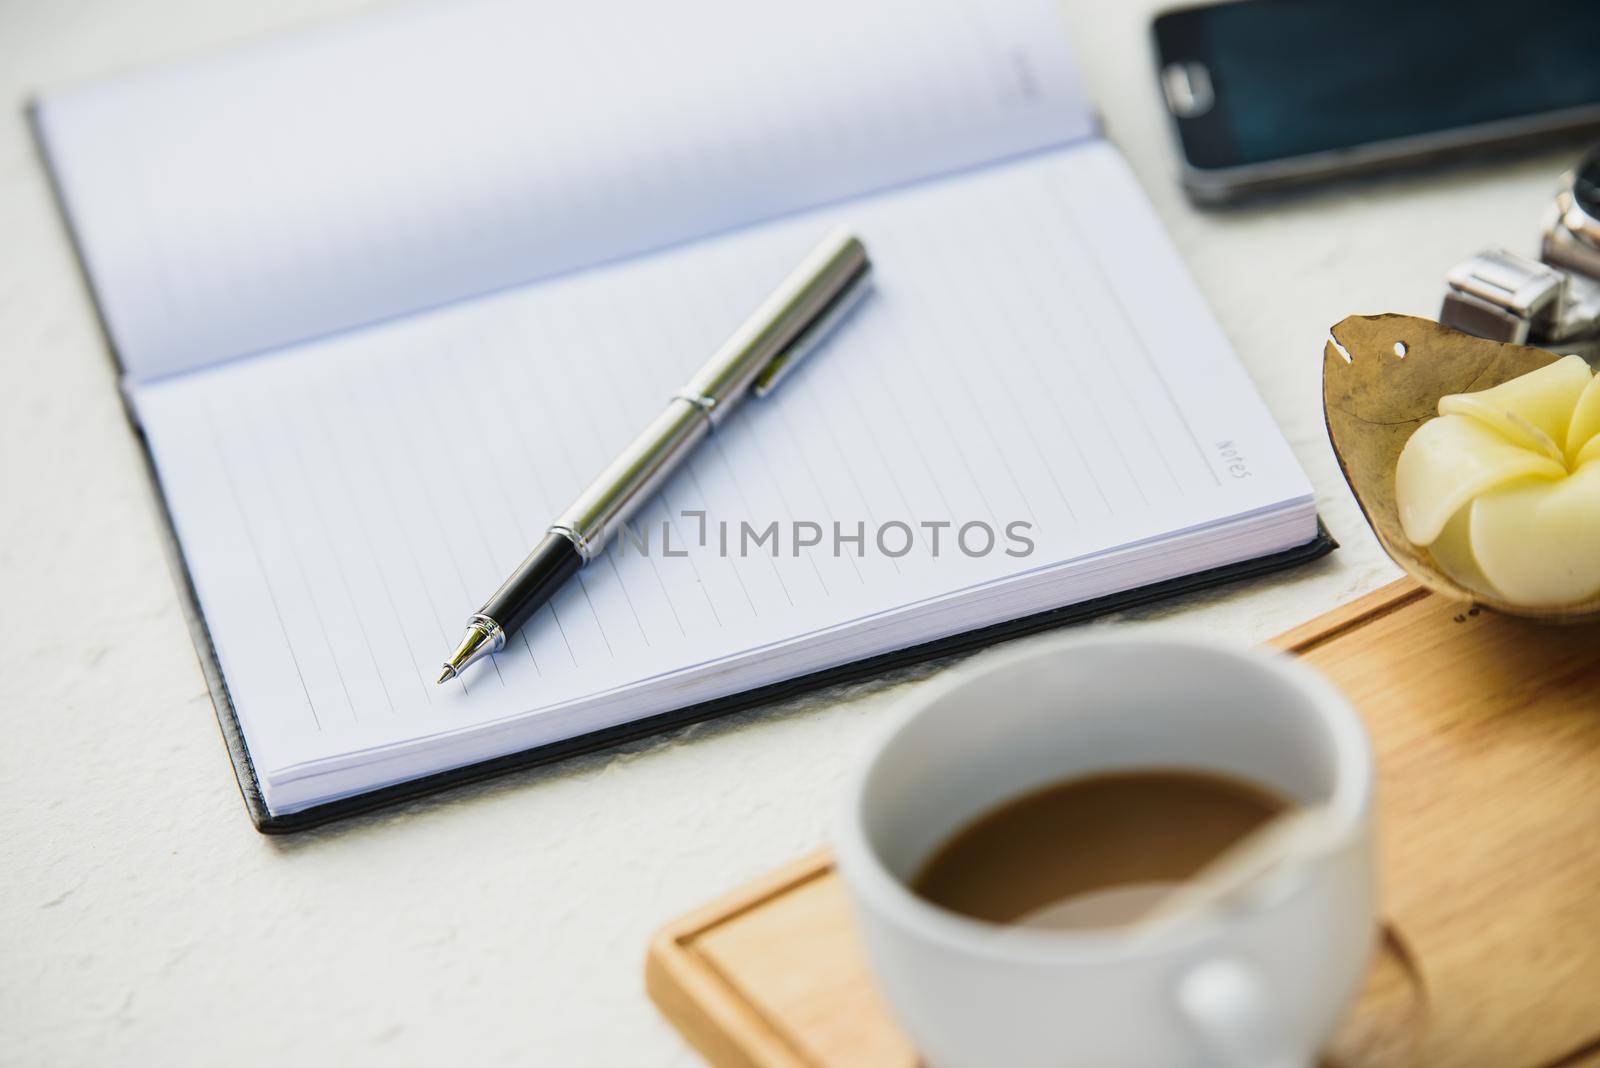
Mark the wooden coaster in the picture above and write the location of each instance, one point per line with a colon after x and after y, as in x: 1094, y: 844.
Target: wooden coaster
x: 1487, y: 731
x: 771, y: 976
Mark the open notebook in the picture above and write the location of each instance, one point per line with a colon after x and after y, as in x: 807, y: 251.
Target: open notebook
x: 331, y: 262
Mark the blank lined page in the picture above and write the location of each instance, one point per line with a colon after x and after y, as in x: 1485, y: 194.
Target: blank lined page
x: 1032, y: 352
x: 374, y: 167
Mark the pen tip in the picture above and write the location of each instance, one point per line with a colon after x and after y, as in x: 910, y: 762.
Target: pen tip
x: 482, y: 638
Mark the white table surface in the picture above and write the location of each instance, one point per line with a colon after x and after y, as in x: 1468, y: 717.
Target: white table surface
x: 142, y: 918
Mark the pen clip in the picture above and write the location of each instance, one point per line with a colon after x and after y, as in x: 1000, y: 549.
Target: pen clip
x: 786, y: 359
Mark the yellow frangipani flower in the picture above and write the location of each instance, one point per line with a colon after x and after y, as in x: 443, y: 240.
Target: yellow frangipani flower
x: 1504, y: 487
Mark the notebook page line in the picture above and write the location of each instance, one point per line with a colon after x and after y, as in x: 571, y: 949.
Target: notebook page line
x: 956, y: 271
x: 1004, y: 373
x: 1186, y: 354
x: 407, y: 531
x: 942, y: 434
x: 247, y: 428
x: 1090, y: 352
x: 277, y: 610
x: 264, y: 504
x: 947, y: 266
x: 887, y: 383
x: 1106, y: 359
x: 307, y: 475
x: 1130, y: 331
x: 425, y: 463
x: 317, y: 426
x: 964, y: 264
x: 1083, y: 418
x: 423, y: 579
x: 1015, y: 294
x: 347, y: 451
x: 882, y: 389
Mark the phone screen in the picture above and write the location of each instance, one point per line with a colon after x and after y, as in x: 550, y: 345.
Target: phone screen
x: 1285, y: 78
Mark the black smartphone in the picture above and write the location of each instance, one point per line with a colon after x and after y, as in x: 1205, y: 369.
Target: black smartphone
x: 1268, y: 93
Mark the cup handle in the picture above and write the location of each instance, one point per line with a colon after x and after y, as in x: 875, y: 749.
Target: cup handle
x: 1227, y: 1003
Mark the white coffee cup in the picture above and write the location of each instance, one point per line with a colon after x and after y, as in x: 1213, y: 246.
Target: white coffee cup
x: 1260, y: 984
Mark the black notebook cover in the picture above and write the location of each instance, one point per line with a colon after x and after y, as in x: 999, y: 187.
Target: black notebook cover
x: 269, y: 823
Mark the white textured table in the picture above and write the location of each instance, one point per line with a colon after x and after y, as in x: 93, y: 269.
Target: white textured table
x: 140, y: 915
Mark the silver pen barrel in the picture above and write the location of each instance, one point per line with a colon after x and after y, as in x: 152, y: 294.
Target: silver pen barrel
x: 780, y: 332
x: 631, y: 479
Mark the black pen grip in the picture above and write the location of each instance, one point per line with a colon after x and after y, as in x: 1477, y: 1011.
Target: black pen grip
x: 536, y: 580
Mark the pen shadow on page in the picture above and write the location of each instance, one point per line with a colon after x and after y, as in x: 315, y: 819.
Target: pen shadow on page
x: 818, y: 701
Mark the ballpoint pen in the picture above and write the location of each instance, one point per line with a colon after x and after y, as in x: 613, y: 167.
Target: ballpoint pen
x: 781, y: 332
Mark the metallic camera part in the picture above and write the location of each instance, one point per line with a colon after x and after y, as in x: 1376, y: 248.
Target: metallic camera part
x: 1502, y: 296
x: 1572, y: 228
x: 1554, y: 303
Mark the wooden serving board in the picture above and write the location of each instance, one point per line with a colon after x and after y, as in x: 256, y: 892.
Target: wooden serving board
x: 1487, y: 732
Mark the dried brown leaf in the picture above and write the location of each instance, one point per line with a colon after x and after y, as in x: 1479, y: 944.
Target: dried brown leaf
x: 1376, y: 399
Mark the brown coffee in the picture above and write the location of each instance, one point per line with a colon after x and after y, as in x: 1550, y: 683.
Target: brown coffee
x: 1093, y: 852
